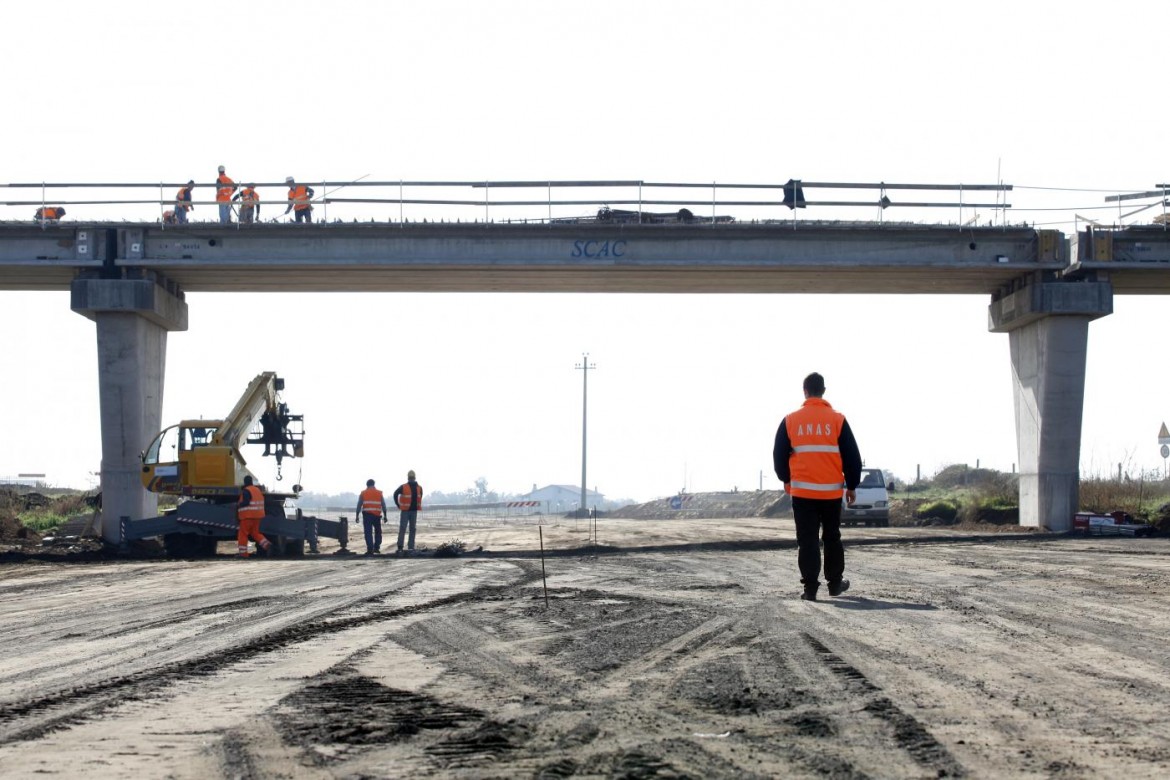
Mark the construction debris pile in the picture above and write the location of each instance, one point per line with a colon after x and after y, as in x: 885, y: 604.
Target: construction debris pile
x: 11, y: 504
x: 72, y: 539
x: 686, y: 506
x: 451, y: 549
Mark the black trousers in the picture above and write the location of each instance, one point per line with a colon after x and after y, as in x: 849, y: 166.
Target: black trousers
x: 372, y: 525
x: 823, y: 515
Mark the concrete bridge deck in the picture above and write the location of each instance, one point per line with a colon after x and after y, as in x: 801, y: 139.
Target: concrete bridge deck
x: 801, y: 257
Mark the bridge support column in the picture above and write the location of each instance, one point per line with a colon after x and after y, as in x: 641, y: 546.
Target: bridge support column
x: 132, y: 317
x: 1048, y: 327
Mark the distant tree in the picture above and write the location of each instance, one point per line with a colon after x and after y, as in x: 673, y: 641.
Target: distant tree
x: 482, y: 494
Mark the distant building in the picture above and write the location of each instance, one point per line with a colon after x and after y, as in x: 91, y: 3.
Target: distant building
x: 562, y: 498
x: 24, y: 480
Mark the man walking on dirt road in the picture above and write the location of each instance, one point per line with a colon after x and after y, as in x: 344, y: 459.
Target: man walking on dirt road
x: 408, y: 497
x: 814, y: 449
x: 371, y: 507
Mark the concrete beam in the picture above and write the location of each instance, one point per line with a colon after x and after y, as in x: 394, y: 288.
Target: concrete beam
x: 773, y: 257
x: 1048, y: 329
x: 147, y: 298
x: 132, y: 317
x: 1032, y: 301
x: 1135, y: 259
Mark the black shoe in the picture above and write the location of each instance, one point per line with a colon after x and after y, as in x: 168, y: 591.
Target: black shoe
x: 839, y: 587
x: 808, y: 595
x: 369, y: 552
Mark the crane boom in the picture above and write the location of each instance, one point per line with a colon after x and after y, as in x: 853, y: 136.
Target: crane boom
x: 259, y: 398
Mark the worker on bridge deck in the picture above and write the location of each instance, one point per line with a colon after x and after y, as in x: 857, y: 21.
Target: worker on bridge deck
x: 250, y: 511
x: 224, y: 187
x: 299, y: 196
x: 183, y: 203
x: 371, y: 507
x: 249, y: 204
x: 50, y: 214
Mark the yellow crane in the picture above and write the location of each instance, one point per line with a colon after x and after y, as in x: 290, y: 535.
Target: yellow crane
x: 201, y: 462
x: 203, y: 458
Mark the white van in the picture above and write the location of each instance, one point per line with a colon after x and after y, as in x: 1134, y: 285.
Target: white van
x: 872, y: 506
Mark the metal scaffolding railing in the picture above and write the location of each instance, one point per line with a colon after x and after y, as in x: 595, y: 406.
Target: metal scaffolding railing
x: 558, y: 201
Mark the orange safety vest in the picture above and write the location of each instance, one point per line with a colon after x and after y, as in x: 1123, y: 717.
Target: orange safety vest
x: 406, y: 496
x: 815, y: 464
x: 299, y: 195
x: 48, y: 212
x: 248, y: 197
x: 254, y: 509
x: 225, y: 189
x: 372, y: 501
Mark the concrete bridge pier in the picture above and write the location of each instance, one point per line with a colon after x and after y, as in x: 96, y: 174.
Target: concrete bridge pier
x: 1047, y: 323
x: 132, y: 317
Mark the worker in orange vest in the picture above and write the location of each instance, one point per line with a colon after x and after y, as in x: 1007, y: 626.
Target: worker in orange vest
x: 408, y: 497
x: 50, y: 213
x: 249, y: 204
x: 250, y: 511
x: 817, y: 459
x: 224, y: 187
x: 183, y: 203
x: 299, y: 196
x: 371, y: 507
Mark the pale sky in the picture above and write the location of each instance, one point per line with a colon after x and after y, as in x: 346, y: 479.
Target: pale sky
x: 689, y: 389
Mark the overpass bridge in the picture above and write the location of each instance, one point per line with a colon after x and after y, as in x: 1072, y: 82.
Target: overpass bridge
x: 131, y: 278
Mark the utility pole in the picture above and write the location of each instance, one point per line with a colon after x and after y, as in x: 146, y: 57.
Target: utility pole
x: 584, y: 366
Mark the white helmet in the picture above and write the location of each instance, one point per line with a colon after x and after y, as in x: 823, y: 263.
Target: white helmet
x: 288, y: 180
x: 221, y: 169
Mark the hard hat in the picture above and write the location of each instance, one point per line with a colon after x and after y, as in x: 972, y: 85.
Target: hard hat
x: 410, y: 474
x: 221, y: 169
x: 288, y: 180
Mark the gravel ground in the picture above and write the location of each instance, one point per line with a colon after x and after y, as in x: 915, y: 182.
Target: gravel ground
x: 661, y: 649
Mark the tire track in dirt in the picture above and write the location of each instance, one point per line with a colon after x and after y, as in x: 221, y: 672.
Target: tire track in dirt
x: 77, y: 704
x: 183, y: 616
x: 909, y: 734
x: 499, y: 655
x: 742, y: 678
x: 614, y: 658
x: 237, y: 758
x: 209, y: 621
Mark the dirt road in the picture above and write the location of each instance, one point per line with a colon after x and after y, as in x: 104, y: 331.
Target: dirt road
x: 672, y: 649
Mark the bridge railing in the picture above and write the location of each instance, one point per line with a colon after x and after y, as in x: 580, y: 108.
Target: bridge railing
x: 547, y: 202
